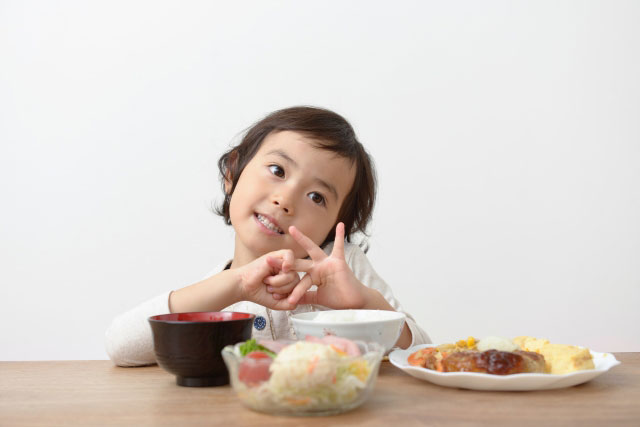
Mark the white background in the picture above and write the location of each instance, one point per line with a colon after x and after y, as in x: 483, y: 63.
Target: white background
x: 506, y: 137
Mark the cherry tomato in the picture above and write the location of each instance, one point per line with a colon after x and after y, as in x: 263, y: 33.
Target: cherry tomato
x: 254, y: 368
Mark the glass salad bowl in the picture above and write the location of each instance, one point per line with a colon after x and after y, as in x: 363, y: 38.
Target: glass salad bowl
x: 319, y: 377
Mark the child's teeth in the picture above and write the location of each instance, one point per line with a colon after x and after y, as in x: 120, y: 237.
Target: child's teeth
x: 268, y: 224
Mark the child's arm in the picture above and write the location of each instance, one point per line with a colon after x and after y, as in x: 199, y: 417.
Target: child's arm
x: 211, y: 294
x: 246, y: 283
x: 128, y: 339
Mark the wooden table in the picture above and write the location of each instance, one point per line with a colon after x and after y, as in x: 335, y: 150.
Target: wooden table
x: 89, y: 393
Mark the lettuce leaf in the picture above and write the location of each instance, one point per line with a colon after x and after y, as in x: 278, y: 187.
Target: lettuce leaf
x: 252, y: 345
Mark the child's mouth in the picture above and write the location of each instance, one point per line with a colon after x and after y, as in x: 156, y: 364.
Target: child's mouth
x: 268, y: 224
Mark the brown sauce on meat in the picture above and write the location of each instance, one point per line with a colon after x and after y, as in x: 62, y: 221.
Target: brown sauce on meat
x: 491, y: 362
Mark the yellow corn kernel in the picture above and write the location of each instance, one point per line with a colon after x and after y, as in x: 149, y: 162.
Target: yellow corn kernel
x: 471, y: 341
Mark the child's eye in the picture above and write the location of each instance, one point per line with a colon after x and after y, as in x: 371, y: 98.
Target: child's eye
x: 276, y: 170
x: 317, y: 198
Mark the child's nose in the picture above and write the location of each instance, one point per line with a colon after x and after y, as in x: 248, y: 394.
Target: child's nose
x: 283, y: 203
x: 284, y: 208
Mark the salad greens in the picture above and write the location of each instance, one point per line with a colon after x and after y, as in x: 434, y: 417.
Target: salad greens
x: 252, y: 345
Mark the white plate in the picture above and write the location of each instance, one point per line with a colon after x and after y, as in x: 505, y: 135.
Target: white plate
x: 516, y: 382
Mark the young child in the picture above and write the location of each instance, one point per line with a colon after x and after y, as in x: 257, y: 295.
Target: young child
x: 297, y: 184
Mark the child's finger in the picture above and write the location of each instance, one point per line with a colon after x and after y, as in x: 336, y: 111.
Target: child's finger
x: 274, y: 263
x: 309, y: 297
x: 282, y: 290
x: 302, y: 265
x: 301, y: 288
x: 282, y: 279
x: 338, y: 243
x: 255, y: 276
x: 282, y: 304
x: 307, y: 244
x: 288, y: 259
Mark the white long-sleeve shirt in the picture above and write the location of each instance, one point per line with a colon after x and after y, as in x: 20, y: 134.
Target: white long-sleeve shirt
x: 129, y: 341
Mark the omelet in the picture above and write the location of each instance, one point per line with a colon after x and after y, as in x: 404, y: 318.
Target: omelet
x: 559, y: 358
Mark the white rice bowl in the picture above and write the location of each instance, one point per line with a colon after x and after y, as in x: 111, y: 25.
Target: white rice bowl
x: 381, y: 326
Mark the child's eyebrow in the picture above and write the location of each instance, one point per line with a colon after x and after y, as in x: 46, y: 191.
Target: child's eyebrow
x: 320, y: 181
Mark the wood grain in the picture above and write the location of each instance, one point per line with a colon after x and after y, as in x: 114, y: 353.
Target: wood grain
x: 98, y: 393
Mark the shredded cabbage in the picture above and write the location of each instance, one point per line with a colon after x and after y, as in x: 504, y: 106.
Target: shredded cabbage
x: 311, y: 377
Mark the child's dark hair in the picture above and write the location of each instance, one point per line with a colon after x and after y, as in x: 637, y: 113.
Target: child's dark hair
x: 330, y: 131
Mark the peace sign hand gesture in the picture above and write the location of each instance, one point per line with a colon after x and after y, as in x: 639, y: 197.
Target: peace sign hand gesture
x: 338, y: 287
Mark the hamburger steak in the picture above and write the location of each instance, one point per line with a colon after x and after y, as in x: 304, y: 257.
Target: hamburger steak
x: 489, y: 362
x: 494, y: 362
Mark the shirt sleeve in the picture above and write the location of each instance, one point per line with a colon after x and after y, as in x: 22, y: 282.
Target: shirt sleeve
x: 128, y: 339
x: 363, y: 270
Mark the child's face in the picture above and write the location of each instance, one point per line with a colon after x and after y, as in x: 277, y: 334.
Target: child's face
x: 288, y: 182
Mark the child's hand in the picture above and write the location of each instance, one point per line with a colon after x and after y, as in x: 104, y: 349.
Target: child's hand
x: 268, y: 279
x: 283, y: 282
x: 338, y: 287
